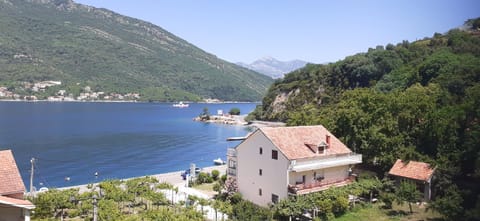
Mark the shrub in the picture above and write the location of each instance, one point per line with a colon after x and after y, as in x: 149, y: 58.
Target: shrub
x: 234, y: 111
x: 215, y: 174
x: 223, y: 178
x: 203, y: 178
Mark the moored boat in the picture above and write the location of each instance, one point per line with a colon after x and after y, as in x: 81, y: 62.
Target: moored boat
x: 180, y: 105
x: 218, y: 161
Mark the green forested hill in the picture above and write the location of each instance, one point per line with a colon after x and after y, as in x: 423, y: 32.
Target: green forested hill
x: 414, y: 100
x: 63, y: 41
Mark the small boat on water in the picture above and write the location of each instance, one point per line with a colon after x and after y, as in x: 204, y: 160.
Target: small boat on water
x: 218, y: 161
x: 180, y: 105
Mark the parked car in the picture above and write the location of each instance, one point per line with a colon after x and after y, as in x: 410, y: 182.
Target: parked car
x: 187, y: 172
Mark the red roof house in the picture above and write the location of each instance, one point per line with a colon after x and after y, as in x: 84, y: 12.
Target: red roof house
x: 12, y: 205
x: 273, y: 163
x: 419, y: 172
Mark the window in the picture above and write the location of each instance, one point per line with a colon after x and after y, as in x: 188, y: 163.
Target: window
x: 260, y: 191
x: 232, y: 164
x: 260, y: 151
x: 274, y: 154
x: 274, y: 198
x: 260, y: 172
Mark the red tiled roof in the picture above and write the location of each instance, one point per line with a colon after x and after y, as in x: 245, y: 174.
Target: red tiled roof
x: 296, y: 142
x: 16, y: 202
x: 412, y: 170
x: 10, y: 180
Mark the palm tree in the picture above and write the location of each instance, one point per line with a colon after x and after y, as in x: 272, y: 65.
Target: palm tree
x: 203, y: 202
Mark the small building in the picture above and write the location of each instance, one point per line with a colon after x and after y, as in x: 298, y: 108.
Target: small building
x: 274, y: 162
x: 13, y: 207
x: 419, y: 172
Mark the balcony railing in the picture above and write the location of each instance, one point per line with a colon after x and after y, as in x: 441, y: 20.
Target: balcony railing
x: 325, y: 162
x: 231, y: 152
x: 318, y: 185
x: 231, y: 172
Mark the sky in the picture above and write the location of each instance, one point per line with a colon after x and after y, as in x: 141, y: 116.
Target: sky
x: 315, y: 31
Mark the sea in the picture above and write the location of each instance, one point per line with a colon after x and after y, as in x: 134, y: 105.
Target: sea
x: 71, y: 141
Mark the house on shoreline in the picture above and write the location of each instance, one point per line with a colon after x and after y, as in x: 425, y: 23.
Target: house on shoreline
x: 274, y: 162
x: 13, y: 207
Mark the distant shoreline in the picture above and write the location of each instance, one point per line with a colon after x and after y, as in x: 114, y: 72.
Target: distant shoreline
x: 129, y: 101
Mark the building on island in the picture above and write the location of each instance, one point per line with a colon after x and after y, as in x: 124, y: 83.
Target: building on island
x: 13, y: 207
x: 274, y: 162
x: 418, y: 172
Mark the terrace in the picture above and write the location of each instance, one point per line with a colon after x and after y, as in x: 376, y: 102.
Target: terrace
x: 318, y: 185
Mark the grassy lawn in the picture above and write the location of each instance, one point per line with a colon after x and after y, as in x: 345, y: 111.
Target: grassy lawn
x: 204, y: 187
x: 398, y: 212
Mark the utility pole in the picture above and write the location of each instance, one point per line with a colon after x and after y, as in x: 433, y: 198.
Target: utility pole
x: 32, y: 161
x: 95, y: 207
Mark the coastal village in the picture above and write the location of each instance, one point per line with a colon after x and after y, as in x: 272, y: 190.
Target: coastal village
x: 63, y: 95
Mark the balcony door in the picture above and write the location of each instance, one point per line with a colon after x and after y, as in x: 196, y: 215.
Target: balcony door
x: 300, y: 179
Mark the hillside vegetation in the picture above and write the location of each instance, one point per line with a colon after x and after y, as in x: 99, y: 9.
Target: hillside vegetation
x: 60, y: 40
x: 414, y: 100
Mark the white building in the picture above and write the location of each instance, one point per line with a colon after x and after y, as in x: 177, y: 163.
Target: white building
x: 275, y: 162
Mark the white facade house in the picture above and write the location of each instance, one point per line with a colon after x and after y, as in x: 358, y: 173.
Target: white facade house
x: 274, y: 162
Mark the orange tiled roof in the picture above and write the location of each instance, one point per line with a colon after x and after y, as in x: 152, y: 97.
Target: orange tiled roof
x: 412, y: 170
x: 296, y: 142
x: 16, y: 202
x: 10, y: 180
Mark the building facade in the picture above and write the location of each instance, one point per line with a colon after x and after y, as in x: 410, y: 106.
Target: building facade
x: 274, y: 162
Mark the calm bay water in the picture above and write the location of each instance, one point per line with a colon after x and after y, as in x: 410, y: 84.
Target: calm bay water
x: 117, y: 140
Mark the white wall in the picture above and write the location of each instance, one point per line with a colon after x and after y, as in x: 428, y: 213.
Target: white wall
x: 274, y: 177
x: 336, y: 173
x: 8, y: 213
x: 329, y: 174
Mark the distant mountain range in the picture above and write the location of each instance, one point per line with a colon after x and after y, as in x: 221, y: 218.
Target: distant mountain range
x: 272, y: 67
x: 79, y: 45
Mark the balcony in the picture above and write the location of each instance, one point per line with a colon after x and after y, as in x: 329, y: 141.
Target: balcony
x: 299, y: 189
x: 325, y: 162
x: 231, y: 152
x: 231, y: 172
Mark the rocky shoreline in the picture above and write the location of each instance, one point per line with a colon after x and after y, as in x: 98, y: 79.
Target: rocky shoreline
x: 224, y: 119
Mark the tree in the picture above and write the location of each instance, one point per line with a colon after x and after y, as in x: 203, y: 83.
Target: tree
x: 203, y: 202
x: 205, y: 115
x: 54, y: 202
x: 234, y: 111
x: 231, y: 187
x: 450, y: 204
x: 407, y: 191
x: 108, y: 210
x: 215, y: 174
x: 290, y: 207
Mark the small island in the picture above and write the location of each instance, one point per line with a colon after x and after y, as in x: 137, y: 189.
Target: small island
x: 233, y: 117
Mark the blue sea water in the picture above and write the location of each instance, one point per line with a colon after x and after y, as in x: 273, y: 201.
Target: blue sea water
x: 117, y: 140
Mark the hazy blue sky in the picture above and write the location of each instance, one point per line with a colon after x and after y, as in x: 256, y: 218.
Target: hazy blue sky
x: 312, y: 30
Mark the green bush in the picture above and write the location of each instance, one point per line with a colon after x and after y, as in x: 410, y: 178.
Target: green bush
x: 203, y: 178
x: 234, y: 111
x: 215, y: 174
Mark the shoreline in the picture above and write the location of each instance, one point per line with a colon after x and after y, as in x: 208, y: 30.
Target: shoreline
x: 173, y: 178
x: 129, y: 101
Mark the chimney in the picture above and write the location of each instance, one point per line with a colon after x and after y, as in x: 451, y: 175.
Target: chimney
x: 328, y: 140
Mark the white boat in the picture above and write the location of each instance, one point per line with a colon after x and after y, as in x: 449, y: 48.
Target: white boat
x: 218, y: 161
x: 180, y: 105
